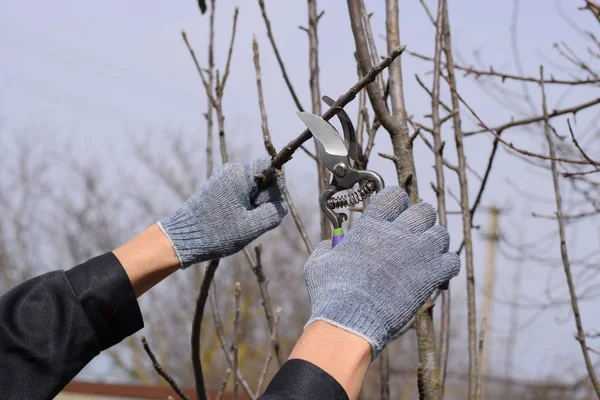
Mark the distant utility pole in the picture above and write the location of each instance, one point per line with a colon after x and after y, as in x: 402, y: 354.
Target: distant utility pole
x: 488, y: 290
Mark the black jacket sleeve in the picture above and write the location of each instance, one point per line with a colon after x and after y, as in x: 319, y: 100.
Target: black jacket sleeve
x: 301, y: 380
x: 53, y: 325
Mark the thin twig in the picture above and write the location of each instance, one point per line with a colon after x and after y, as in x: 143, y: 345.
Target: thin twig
x: 268, y: 357
x: 197, y: 328
x: 263, y: 10
x: 211, y: 78
x: 223, y: 385
x: 428, y: 12
x: 216, y: 98
x: 563, y: 246
x: 384, y: 375
x: 159, y: 369
x: 272, y: 151
x: 420, y: 82
x: 390, y: 157
x: 261, y: 102
x: 509, y: 144
x: 440, y: 187
x: 570, y: 174
x: 372, y: 132
x: 466, y: 212
x: 583, y: 153
x: 323, y: 173
x: 539, y: 118
x: 483, y: 185
x: 372, y: 47
x: 431, y: 147
x: 361, y: 120
x: 567, y: 217
x: 236, y: 335
x: 482, y: 338
x: 225, y: 345
x: 505, y: 76
x: 308, y: 152
x: 208, y: 89
x: 221, y: 86
x: 263, y: 284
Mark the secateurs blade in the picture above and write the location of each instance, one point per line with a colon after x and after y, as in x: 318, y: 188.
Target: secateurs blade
x: 337, y: 155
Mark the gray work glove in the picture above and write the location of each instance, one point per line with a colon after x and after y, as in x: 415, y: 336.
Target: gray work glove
x: 226, y: 213
x: 375, y: 280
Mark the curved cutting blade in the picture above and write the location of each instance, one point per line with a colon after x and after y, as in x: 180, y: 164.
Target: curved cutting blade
x: 328, y: 140
x: 347, y: 127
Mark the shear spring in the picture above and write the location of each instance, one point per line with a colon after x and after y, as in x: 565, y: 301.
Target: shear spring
x: 352, y: 198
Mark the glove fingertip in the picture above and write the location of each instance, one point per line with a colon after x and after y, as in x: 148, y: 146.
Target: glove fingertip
x: 450, y: 265
x: 388, y: 204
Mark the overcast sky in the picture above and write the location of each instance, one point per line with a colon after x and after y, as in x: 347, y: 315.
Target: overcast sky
x: 92, y: 73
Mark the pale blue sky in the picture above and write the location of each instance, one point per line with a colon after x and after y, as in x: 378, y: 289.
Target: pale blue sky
x: 94, y: 72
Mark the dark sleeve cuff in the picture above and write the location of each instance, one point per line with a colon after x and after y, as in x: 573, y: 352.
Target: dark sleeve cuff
x: 300, y: 380
x: 107, y: 297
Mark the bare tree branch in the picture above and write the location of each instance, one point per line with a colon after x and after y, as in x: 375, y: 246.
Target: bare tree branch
x: 266, y: 301
x: 225, y: 345
x: 384, y: 375
x: 272, y: 151
x: 509, y: 144
x: 221, y: 85
x: 538, y: 118
x: 506, y: 76
x: 263, y: 10
x: 482, y: 338
x: 563, y: 245
x: 159, y: 369
x: 567, y: 217
x: 223, y: 385
x: 272, y: 344
x: 209, y: 274
x: 286, y: 153
x: 440, y: 187
x: 236, y: 336
x: 593, y: 7
x: 216, y: 98
x: 323, y: 174
x: 466, y: 212
x: 372, y: 47
x: 583, y: 153
x: 211, y: 78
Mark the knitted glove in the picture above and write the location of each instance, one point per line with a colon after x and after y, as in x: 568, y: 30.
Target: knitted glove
x: 375, y: 280
x: 225, y: 214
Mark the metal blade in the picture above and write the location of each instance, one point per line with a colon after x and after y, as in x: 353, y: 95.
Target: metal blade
x: 347, y: 127
x: 325, y: 135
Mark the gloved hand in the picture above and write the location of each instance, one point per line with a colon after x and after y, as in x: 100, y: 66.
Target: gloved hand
x: 225, y: 214
x: 375, y: 280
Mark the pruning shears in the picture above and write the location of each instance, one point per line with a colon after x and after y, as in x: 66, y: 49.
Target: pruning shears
x: 339, y: 155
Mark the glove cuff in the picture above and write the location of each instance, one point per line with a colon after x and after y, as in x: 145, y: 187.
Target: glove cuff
x: 354, y: 314
x: 164, y: 231
x: 185, y: 237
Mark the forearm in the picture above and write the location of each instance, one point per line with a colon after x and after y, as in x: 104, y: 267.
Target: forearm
x: 327, y: 363
x: 343, y: 355
x: 147, y: 259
